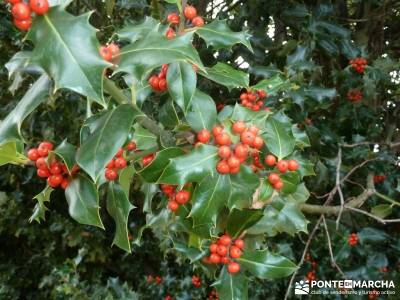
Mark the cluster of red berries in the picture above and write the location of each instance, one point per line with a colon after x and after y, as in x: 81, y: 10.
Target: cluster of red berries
x: 352, y: 239
x: 196, y: 281
x: 157, y: 280
x: 232, y: 156
x: 146, y: 160
x: 311, y: 275
x: 379, y: 178
x: 174, y: 19
x: 159, y: 82
x: 109, y: 52
x: 358, y: 64
x: 224, y: 250
x: 118, y: 162
x: 56, y: 172
x: 213, y: 295
x: 283, y: 166
x: 175, y: 198
x: 354, y: 95
x: 21, y: 12
x: 253, y: 101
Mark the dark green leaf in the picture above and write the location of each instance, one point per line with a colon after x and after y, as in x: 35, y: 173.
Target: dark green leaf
x: 149, y: 190
x: 144, y: 139
x: 125, y: 178
x: 290, y: 181
x: 232, y: 287
x: 271, y: 85
x: 66, y: 152
x: 39, y: 211
x: 227, y: 76
x: 279, y: 138
x: 134, y: 32
x: 240, y: 220
x: 202, y: 113
x: 243, y: 186
x: 382, y: 210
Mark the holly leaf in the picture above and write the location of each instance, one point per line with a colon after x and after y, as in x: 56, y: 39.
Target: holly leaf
x: 134, y: 32
x: 10, y: 154
x: 265, y: 265
x: 149, y: 190
x: 110, y: 133
x: 240, y: 220
x: 271, y: 85
x: 66, y: 152
x: 119, y: 207
x: 219, y: 35
x: 301, y: 137
x: 208, y: 199
x: 10, y: 127
x: 139, y: 58
x: 125, y: 178
x: 278, y: 138
x: 290, y: 182
x: 192, y: 167
x: 83, y: 201
x: 381, y: 210
x: 182, y: 81
x: 300, y: 195
x: 243, y: 186
x: 39, y: 211
x: 144, y: 139
x: 202, y: 113
x: 66, y: 47
x: 227, y: 76
x: 232, y: 286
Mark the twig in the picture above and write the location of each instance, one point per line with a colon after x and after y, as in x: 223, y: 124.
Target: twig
x: 380, y: 220
x: 333, y: 261
x: 339, y: 189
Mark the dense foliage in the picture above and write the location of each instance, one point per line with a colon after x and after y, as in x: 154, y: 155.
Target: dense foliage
x: 310, y: 90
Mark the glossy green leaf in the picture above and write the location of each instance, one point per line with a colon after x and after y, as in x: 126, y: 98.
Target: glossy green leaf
x: 290, y: 182
x: 240, y: 220
x: 227, y: 76
x: 134, y: 32
x: 9, y: 154
x: 149, y: 190
x: 232, y: 287
x: 125, y: 178
x: 381, y: 210
x: 241, y: 113
x: 372, y: 235
x: 265, y: 265
x: 243, y: 186
x: 219, y: 35
x: 306, y: 166
x: 300, y: 195
x: 66, y: 152
x: 209, y: 198
x: 139, y: 58
x: 182, y: 80
x: 66, y: 47
x: 278, y: 138
x: 39, y: 211
x: 144, y: 139
x: 152, y: 172
x: 271, y: 85
x: 10, y: 127
x: 119, y: 207
x: 301, y: 137
x: 202, y: 113
x: 320, y: 93
x: 110, y: 133
x: 192, y: 167
x: 83, y: 201
x: 265, y: 191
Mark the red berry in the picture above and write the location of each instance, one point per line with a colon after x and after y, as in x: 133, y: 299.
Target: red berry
x: 217, y: 130
x: 131, y: 146
x: 198, y: 21
x: 75, y: 169
x: 241, y: 151
x: 23, y: 24
x: 225, y: 240
x: 40, y: 7
x: 33, y: 154
x: 254, y: 129
x: 225, y: 260
x: 233, y: 162
x: 55, y: 168
x: 215, y: 258
x: 190, y: 12
x: 44, y: 173
x: 111, y: 174
x: 278, y: 185
x: 173, y: 205
x: 262, y: 94
x: 293, y: 165
x: 114, y: 49
x: 223, y: 167
x: 223, y: 139
x: 270, y: 160
x: 173, y: 18
x: 258, y: 142
x: 46, y: 145
x: 203, y: 136
x: 247, y: 138
x: 282, y: 166
x: 239, y: 243
x: 234, y: 170
x: 120, y: 163
x: 273, y: 178
x: 64, y: 184
x: 213, y: 248
x: 224, y: 152
x: 239, y: 127
x: 111, y: 164
x: 41, y: 163
x: 119, y: 152
x: 233, y: 267
x: 182, y: 197
x: 170, y: 33
x: 13, y: 1
x: 54, y: 180
x: 222, y: 250
x: 162, y: 84
x: 251, y: 97
x: 21, y: 11
x: 105, y: 53
x: 154, y: 82
x: 235, y: 252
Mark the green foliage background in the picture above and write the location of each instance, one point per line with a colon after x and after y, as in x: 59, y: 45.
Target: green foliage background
x: 310, y: 45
